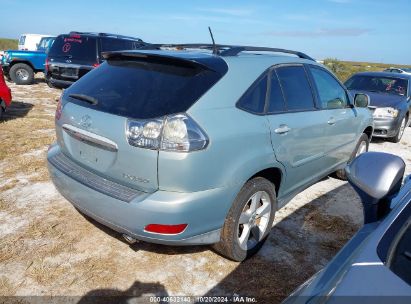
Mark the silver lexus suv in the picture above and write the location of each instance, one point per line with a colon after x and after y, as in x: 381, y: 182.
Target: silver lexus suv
x: 193, y: 146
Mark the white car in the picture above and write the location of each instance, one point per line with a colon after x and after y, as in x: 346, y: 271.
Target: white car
x: 29, y: 42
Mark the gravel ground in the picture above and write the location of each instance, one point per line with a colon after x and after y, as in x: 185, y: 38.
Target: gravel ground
x: 49, y: 249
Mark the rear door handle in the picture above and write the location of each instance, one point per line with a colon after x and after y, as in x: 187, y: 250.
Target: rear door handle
x: 331, y: 121
x: 282, y: 129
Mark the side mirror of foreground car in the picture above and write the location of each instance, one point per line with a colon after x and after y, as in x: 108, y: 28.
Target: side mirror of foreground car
x: 377, y: 178
x: 361, y: 100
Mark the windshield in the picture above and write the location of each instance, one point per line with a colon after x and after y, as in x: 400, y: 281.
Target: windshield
x: 45, y: 43
x: 389, y: 85
x: 408, y: 70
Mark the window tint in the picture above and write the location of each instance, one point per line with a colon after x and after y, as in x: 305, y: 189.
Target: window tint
x: 297, y: 90
x: 76, y: 46
x: 143, y: 88
x: 112, y: 44
x: 380, y: 84
x: 254, y: 99
x: 332, y: 95
x: 401, y: 257
x: 276, y: 95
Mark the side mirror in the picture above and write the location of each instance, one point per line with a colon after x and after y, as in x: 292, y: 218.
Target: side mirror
x: 377, y: 178
x: 361, y: 100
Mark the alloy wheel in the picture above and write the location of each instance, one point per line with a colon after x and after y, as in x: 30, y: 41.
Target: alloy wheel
x: 362, y: 148
x: 254, y: 219
x: 22, y: 74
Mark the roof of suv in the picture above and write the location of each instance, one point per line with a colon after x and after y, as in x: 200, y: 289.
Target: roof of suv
x: 108, y: 35
x: 256, y: 59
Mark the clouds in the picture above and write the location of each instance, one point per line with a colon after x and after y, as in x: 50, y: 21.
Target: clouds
x: 337, y: 32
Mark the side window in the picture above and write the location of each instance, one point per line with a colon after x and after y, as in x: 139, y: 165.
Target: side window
x: 254, y: 99
x: 276, y: 99
x: 332, y: 94
x: 296, y: 88
x: 114, y: 44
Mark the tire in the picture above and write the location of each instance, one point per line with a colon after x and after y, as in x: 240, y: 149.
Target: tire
x: 240, y: 241
x: 1, y: 113
x: 22, y: 74
x: 400, y: 131
x: 361, y: 147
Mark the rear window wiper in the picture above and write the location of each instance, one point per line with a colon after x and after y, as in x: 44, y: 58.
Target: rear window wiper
x: 85, y: 98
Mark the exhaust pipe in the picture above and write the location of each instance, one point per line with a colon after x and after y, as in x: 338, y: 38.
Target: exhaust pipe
x: 129, y: 239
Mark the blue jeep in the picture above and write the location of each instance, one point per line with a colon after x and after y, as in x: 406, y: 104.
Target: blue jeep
x: 20, y: 66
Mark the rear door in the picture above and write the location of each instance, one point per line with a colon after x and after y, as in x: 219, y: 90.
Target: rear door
x: 297, y: 125
x: 342, y: 129
x: 135, y: 90
x: 72, y: 56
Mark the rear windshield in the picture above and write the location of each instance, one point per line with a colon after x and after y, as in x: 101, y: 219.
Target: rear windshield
x: 78, y: 47
x: 22, y: 40
x: 379, y: 84
x: 144, y: 88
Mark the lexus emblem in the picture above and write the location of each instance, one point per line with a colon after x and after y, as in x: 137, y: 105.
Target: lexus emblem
x: 85, y: 121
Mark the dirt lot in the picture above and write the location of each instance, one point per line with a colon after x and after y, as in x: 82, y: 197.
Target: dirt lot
x: 47, y: 248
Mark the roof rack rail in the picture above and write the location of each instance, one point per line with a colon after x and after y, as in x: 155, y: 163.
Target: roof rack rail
x: 105, y: 35
x: 119, y: 36
x: 233, y: 50
x: 238, y: 49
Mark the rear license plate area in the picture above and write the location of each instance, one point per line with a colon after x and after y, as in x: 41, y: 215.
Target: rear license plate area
x: 88, y: 153
x: 68, y: 72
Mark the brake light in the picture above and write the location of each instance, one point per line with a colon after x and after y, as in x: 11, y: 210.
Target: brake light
x: 58, y: 109
x: 166, y: 229
x: 96, y: 65
x: 178, y: 132
x: 47, y: 65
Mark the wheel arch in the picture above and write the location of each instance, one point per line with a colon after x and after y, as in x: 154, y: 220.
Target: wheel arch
x: 14, y: 62
x: 273, y: 174
x: 368, y: 130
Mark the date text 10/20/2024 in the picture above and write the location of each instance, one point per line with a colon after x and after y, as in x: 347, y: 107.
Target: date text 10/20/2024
x: 203, y: 299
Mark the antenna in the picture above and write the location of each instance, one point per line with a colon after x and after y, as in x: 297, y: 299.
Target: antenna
x: 215, y: 50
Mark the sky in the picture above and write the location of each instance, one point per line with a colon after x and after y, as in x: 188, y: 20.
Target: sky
x: 358, y: 30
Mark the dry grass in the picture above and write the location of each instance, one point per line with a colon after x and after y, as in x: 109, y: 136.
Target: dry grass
x: 6, y: 287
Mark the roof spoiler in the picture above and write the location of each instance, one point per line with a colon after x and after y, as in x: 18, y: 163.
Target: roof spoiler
x: 161, y: 58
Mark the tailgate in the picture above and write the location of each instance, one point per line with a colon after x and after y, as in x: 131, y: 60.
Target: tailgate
x: 97, y: 141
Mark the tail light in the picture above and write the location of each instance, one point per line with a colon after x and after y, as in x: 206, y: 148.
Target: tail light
x: 95, y: 65
x: 58, y: 109
x: 178, y: 132
x: 166, y: 229
x: 47, y: 65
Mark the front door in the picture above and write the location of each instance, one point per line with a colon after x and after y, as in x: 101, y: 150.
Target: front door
x: 342, y: 127
x: 297, y: 126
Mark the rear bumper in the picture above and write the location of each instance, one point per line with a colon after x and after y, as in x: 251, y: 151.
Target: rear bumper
x: 58, y: 83
x: 203, y: 211
x: 385, y: 128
